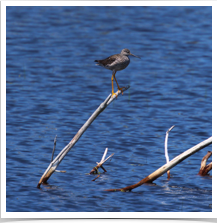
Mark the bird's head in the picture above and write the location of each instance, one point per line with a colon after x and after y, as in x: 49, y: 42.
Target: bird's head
x: 127, y: 52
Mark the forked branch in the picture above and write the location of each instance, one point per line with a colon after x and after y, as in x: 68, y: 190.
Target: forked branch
x: 103, y: 160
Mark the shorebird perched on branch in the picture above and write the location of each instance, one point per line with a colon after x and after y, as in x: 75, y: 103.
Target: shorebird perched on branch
x: 115, y: 63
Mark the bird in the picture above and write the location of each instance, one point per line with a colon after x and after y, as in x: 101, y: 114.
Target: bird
x: 116, y: 63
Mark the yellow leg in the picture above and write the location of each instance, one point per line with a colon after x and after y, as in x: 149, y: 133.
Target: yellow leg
x: 121, y: 89
x: 113, y: 93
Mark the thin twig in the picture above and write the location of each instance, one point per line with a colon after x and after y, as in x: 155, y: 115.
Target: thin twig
x: 166, y: 151
x: 60, y: 171
x: 96, y: 178
x: 54, y: 146
x: 104, y: 155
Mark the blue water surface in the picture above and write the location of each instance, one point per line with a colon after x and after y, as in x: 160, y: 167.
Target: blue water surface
x: 53, y: 86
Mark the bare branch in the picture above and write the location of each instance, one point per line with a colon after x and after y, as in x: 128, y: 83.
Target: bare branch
x: 54, y: 163
x: 204, y: 169
x: 103, y: 160
x: 55, y: 142
x: 166, y: 167
x: 166, y: 151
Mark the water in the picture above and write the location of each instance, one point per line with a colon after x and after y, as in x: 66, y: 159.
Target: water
x: 53, y: 86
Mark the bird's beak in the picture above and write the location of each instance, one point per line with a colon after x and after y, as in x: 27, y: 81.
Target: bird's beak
x: 134, y: 55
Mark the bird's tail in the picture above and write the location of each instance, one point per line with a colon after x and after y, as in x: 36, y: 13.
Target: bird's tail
x: 97, y: 62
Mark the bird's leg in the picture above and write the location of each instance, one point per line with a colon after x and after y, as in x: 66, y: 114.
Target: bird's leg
x: 113, y: 93
x: 121, y: 89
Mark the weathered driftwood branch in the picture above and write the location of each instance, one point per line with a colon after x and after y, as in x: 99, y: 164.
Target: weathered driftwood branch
x: 54, y: 164
x: 166, y: 167
x: 166, y: 151
x: 204, y: 169
x: 103, y: 160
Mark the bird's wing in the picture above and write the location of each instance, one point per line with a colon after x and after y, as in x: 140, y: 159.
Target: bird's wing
x: 107, y: 61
